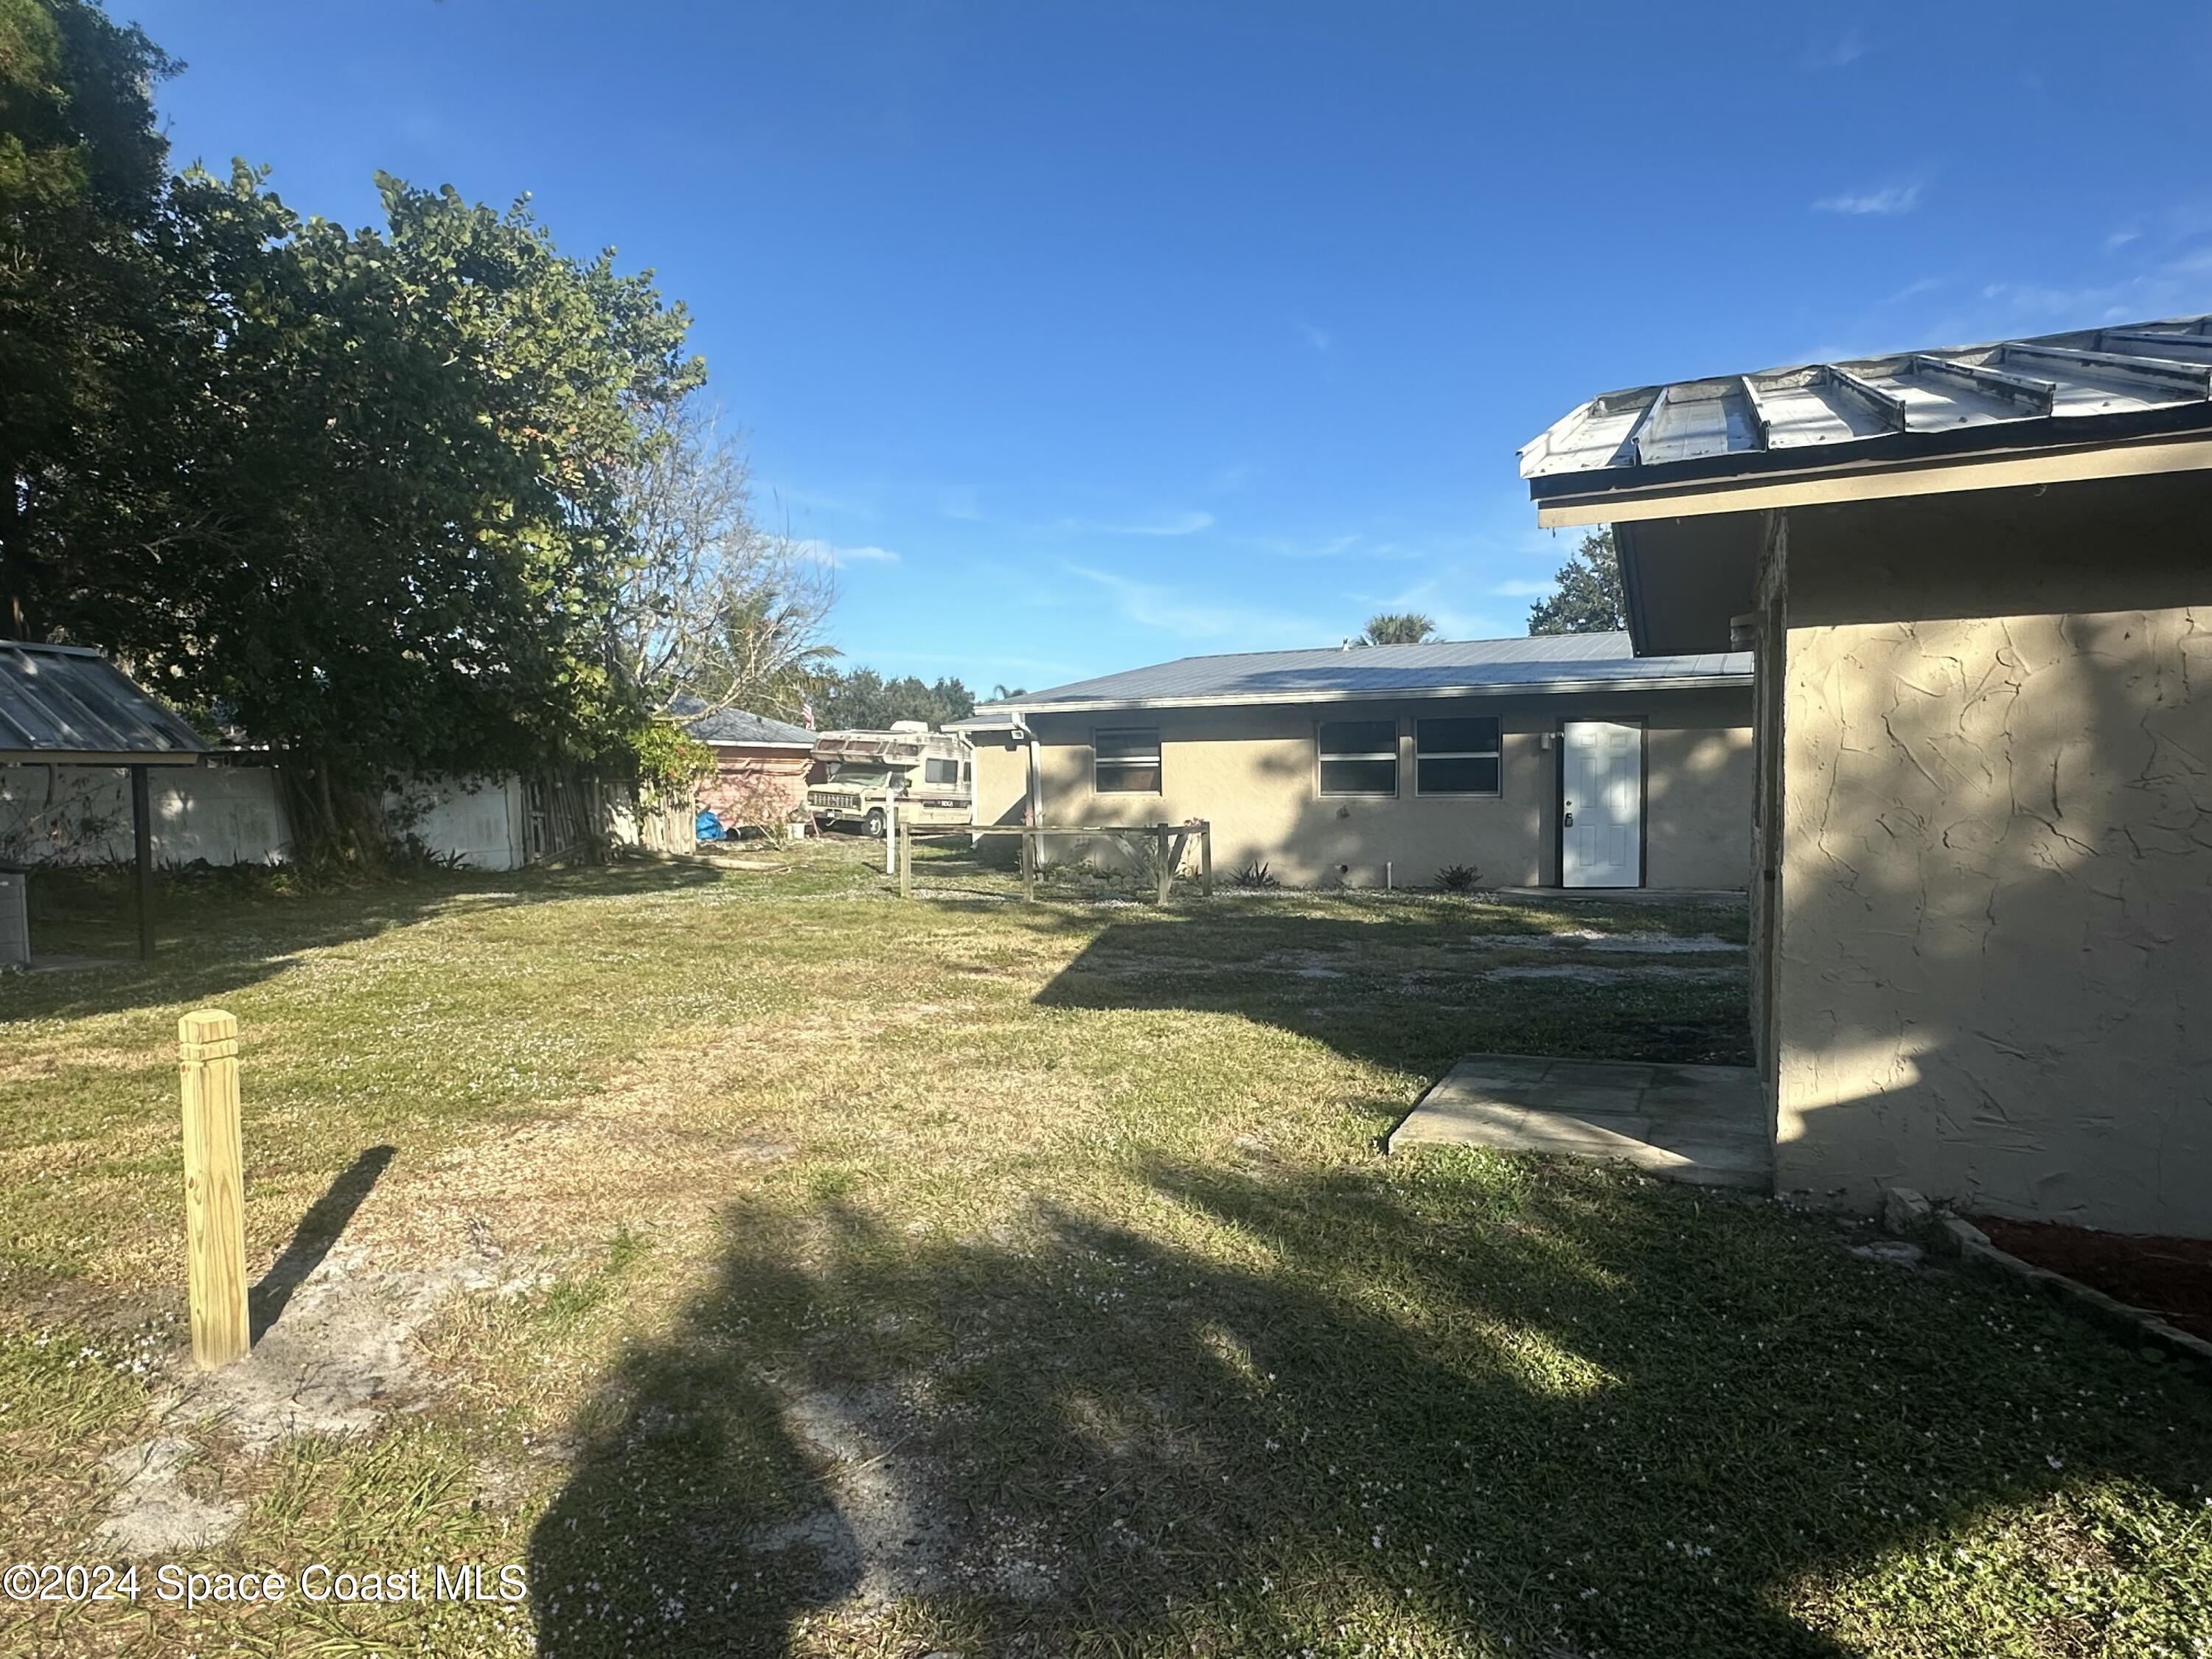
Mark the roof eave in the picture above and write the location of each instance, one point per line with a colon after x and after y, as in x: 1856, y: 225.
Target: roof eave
x: 1875, y: 469
x: 102, y: 756
x: 1397, y: 694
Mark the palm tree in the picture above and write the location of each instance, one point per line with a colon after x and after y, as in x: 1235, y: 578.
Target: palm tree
x: 1397, y: 628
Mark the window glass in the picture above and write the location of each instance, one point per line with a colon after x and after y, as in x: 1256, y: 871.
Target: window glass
x: 1357, y: 757
x: 1459, y: 775
x: 1126, y: 761
x: 1456, y: 755
x: 941, y: 771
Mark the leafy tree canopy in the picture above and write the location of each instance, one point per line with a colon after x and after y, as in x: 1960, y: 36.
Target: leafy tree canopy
x: 364, y: 494
x: 1397, y: 628
x: 1589, y: 599
x: 861, y: 699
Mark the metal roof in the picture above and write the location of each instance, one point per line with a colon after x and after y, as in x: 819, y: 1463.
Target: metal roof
x: 66, y: 703
x: 1535, y: 665
x: 735, y: 726
x: 2087, y: 385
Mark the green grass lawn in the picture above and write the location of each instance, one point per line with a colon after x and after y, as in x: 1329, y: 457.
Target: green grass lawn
x: 787, y: 1269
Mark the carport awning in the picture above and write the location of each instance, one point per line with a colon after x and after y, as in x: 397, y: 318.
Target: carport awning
x: 70, y: 706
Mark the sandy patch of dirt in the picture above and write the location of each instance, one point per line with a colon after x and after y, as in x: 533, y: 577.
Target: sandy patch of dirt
x: 888, y: 1532
x: 338, y: 1356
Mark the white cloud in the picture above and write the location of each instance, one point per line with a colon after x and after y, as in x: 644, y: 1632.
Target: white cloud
x: 1521, y: 590
x: 1888, y: 199
x: 1318, y: 338
x: 1839, y: 53
x: 1182, y: 523
x: 1168, y: 610
x: 843, y: 558
x: 1174, y: 524
x: 2120, y: 239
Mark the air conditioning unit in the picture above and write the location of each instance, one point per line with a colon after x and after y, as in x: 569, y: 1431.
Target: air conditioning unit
x: 15, y: 919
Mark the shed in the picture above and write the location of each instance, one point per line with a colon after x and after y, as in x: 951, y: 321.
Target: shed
x: 66, y: 705
x: 761, y: 766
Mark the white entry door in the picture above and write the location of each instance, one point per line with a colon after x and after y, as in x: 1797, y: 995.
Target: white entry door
x: 1602, y: 825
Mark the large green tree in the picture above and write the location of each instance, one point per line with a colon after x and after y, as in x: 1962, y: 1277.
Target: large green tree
x: 374, y: 518
x: 82, y: 173
x: 1589, y: 598
x: 861, y: 699
x: 358, y: 494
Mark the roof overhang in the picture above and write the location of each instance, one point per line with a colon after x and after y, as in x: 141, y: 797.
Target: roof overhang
x: 69, y: 705
x: 756, y: 742
x: 1396, y: 694
x: 96, y: 758
x: 1643, y: 497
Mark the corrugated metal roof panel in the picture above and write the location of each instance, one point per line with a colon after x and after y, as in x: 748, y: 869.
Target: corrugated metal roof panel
x: 1538, y: 664
x: 60, y: 700
x: 2056, y: 388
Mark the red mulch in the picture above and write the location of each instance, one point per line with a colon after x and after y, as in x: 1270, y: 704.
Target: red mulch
x: 2170, y: 1278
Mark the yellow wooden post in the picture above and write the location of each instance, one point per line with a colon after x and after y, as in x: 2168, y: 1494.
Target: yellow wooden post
x: 1205, y: 858
x: 1029, y: 865
x: 215, y: 1182
x: 905, y: 860
x: 1167, y: 862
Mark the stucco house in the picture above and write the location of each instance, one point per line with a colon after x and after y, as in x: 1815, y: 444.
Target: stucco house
x: 762, y: 767
x: 1563, y: 760
x: 1978, y: 584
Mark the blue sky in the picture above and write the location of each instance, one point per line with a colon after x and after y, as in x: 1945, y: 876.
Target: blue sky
x: 1095, y: 335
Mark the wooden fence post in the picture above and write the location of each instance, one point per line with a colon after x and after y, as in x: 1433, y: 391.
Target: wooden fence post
x: 1167, y: 863
x: 1029, y: 867
x: 215, y: 1204
x: 905, y: 860
x: 1205, y: 858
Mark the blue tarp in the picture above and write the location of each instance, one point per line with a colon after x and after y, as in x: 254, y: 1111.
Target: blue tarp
x: 710, y: 826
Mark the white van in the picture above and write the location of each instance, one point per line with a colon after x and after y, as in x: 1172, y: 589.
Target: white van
x: 931, y: 773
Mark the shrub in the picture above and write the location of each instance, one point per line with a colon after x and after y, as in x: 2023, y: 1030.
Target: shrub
x: 1255, y: 874
x: 1458, y: 878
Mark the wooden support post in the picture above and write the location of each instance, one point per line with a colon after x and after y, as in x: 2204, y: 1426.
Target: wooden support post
x: 890, y: 831
x: 1167, y: 862
x: 214, y: 1183
x: 1205, y: 858
x: 141, y: 829
x: 1029, y: 866
x: 905, y: 860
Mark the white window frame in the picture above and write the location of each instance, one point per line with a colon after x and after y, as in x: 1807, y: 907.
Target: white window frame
x: 1497, y: 754
x: 1397, y: 759
x: 1158, y: 760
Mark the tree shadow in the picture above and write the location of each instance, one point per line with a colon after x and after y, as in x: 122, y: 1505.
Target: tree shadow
x: 1470, y: 1413
x: 322, y: 1226
x: 1410, y: 989
x: 220, y: 930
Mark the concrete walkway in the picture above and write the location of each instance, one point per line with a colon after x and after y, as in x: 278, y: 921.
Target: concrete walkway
x: 1703, y: 1124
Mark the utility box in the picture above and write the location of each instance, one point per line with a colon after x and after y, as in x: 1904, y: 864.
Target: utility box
x: 15, y: 919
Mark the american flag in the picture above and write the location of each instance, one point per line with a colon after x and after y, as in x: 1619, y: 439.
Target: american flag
x: 806, y: 712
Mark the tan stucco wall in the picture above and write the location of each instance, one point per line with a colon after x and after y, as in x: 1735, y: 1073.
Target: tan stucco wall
x: 1996, y: 870
x: 1002, y: 774
x: 1250, y: 772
